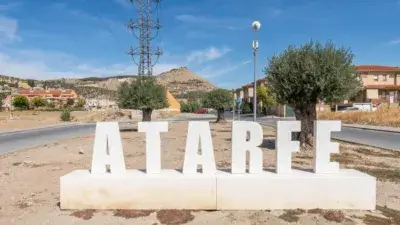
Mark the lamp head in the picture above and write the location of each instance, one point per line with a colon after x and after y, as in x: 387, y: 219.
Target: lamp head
x: 256, y: 25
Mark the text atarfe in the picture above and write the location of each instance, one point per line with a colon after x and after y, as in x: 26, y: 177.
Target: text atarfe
x: 108, y: 147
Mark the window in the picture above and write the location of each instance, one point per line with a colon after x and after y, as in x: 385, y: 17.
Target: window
x: 375, y: 77
x: 384, y: 77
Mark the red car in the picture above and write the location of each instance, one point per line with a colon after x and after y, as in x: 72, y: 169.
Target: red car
x: 201, y: 111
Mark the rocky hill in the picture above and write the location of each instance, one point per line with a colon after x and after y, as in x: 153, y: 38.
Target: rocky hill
x: 179, y: 82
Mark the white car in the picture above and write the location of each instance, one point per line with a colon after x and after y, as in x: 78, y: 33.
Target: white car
x: 347, y: 109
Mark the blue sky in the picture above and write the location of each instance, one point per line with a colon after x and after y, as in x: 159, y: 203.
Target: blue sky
x: 46, y: 39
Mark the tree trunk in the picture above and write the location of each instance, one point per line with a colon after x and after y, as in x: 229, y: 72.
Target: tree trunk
x: 307, y: 115
x: 146, y: 114
x: 220, y: 115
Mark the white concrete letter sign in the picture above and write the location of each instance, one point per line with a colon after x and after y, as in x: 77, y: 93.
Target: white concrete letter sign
x: 215, y: 189
x: 153, y: 144
x: 285, y: 146
x: 108, y: 149
x: 199, y: 133
x: 240, y: 146
x: 323, y: 147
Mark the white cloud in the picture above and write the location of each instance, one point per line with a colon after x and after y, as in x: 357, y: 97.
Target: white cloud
x: 394, y: 42
x: 39, y: 64
x: 276, y: 12
x: 226, y: 23
x: 210, y: 72
x: 208, y: 54
x: 8, y: 30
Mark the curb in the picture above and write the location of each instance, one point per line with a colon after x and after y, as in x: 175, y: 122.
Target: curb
x: 371, y: 128
x: 42, y: 128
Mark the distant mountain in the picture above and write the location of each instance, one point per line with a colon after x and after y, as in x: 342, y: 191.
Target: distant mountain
x: 179, y: 82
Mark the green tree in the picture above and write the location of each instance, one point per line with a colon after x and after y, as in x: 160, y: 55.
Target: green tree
x: 31, y: 82
x: 38, y: 102
x: 299, y: 77
x: 143, y: 94
x: 80, y: 103
x: 218, y: 99
x: 21, y: 102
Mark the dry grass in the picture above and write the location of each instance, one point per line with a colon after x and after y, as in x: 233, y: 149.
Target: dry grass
x: 381, y: 117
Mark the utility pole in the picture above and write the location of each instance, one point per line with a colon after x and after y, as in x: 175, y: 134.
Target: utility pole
x: 142, y: 29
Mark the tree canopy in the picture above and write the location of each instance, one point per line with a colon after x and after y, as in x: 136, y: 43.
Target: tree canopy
x: 302, y: 76
x: 143, y: 94
x: 219, y: 99
x: 38, y: 102
x: 21, y: 102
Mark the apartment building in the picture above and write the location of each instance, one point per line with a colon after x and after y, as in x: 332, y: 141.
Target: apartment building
x: 56, y: 96
x: 381, y: 84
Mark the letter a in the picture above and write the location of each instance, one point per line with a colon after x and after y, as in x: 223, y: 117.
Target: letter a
x: 199, y: 130
x: 108, y: 149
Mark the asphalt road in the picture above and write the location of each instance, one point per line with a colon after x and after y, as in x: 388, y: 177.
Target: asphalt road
x: 380, y: 139
x: 18, y: 140
x: 25, y: 139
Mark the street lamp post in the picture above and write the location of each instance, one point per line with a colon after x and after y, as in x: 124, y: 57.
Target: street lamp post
x: 256, y: 26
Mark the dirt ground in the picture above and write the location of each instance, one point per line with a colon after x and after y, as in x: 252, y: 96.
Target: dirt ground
x: 29, y: 183
x: 34, y: 119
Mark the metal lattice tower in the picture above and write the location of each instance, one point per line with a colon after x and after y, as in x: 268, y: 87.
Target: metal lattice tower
x: 142, y: 29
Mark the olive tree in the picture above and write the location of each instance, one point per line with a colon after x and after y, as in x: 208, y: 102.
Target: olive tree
x: 218, y: 99
x: 300, y: 77
x: 143, y: 94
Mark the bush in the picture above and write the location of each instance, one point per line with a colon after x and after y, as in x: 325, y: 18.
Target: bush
x: 195, y: 105
x: 21, y: 102
x: 246, y: 108
x: 185, y: 108
x: 81, y: 102
x: 66, y: 115
x: 38, y: 102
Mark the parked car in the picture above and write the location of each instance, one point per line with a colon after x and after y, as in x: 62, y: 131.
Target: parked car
x: 347, y: 109
x: 201, y: 111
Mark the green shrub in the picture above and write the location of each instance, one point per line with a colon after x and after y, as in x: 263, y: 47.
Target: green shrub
x: 66, y: 115
x: 195, y: 105
x: 246, y: 108
x: 185, y: 107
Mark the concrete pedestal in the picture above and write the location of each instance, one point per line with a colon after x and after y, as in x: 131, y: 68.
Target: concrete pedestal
x: 348, y: 189
x: 137, y: 190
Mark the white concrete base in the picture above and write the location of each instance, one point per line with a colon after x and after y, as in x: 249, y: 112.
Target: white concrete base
x: 348, y: 189
x: 137, y: 190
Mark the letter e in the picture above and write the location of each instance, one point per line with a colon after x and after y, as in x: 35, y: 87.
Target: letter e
x: 323, y: 147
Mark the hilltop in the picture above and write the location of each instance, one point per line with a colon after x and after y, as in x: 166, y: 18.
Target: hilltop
x: 179, y: 82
